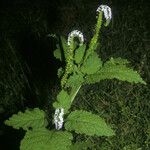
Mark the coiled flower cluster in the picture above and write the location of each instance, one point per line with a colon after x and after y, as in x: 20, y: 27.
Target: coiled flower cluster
x: 58, y: 118
x: 73, y: 34
x: 107, y: 11
x: 70, y: 53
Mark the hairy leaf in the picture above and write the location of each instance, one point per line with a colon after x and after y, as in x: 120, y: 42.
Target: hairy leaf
x: 92, y: 64
x: 75, y: 80
x: 117, y: 61
x: 57, y: 54
x: 79, y: 53
x: 94, y: 48
x: 115, y: 69
x: 87, y: 123
x: 63, y: 101
x: 43, y: 139
x: 29, y: 119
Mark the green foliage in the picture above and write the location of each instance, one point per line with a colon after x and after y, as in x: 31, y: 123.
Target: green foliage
x: 82, y: 66
x: 115, y: 69
x: 29, y: 119
x: 57, y: 54
x: 63, y: 101
x: 79, y: 53
x: 87, y: 123
x: 75, y: 80
x: 94, y: 41
x: 68, y: 53
x: 43, y: 139
x: 119, y: 61
x: 92, y: 64
x: 98, y: 26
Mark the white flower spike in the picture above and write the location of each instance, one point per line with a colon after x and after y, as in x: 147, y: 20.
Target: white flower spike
x: 107, y: 11
x: 58, y: 118
x: 73, y: 34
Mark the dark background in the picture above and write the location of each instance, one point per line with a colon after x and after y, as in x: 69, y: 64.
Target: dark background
x: 27, y: 67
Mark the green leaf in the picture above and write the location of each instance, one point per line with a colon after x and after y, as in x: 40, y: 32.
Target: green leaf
x: 115, y: 69
x: 75, y: 80
x: 92, y: 64
x: 79, y: 53
x: 87, y: 123
x: 93, y: 48
x: 29, y: 119
x: 57, y: 54
x: 43, y: 139
x: 63, y: 101
x: 62, y: 45
x: 117, y: 61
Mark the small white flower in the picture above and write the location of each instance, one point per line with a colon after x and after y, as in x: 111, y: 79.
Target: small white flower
x: 58, y: 118
x: 107, y: 11
x: 73, y: 34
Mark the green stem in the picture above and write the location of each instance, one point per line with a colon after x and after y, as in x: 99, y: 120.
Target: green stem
x: 74, y: 92
x: 95, y: 37
x: 69, y: 64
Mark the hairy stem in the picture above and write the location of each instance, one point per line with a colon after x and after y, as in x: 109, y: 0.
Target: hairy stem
x: 94, y: 40
x: 74, y: 92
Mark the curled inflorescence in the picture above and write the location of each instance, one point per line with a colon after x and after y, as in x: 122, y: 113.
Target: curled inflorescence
x: 73, y: 34
x: 107, y: 11
x: 58, y: 118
